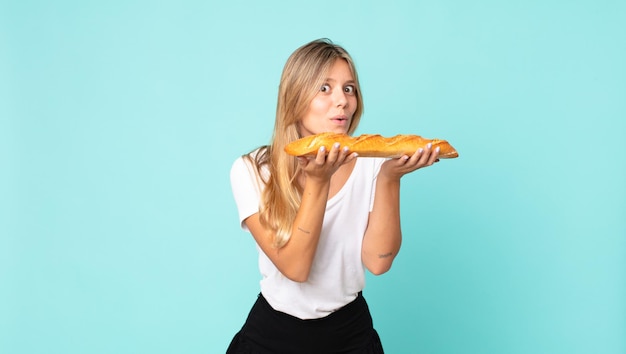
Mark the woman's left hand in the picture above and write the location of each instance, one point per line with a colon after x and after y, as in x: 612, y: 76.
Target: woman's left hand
x: 396, y: 168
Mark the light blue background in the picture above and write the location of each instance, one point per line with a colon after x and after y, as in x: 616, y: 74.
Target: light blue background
x: 119, y: 121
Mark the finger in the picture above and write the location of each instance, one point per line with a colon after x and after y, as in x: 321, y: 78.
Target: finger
x: 417, y: 156
x: 344, y: 152
x: 405, y: 158
x: 321, y: 155
x: 333, y: 154
x: 345, y: 155
x: 430, y: 157
x: 423, y: 160
x: 434, y: 156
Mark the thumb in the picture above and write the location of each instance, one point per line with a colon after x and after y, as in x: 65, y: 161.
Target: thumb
x: 302, y: 161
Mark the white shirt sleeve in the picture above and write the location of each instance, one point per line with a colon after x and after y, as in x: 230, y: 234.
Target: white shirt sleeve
x: 246, y: 189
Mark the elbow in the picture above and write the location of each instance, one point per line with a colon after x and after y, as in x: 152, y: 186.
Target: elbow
x: 379, y: 268
x: 298, y: 276
x: 380, y: 263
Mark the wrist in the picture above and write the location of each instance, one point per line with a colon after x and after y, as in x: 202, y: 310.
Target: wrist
x: 389, y: 180
x: 314, y: 185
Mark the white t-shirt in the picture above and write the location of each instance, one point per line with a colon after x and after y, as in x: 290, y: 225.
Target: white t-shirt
x: 337, y: 273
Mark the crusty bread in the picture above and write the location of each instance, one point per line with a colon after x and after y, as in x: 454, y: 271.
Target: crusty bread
x: 369, y: 145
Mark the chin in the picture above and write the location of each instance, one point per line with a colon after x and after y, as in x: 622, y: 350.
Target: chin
x: 339, y: 130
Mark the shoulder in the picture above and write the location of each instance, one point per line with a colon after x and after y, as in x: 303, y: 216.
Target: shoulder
x: 250, y: 164
x: 239, y: 166
x: 249, y: 159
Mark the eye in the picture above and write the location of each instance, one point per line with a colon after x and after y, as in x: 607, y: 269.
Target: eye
x: 350, y: 89
x: 325, y: 88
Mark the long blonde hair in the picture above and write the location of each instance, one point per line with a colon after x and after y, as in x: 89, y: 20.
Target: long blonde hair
x: 303, y: 75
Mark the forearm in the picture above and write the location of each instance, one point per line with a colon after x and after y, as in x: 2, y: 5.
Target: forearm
x: 295, y: 258
x: 383, y: 237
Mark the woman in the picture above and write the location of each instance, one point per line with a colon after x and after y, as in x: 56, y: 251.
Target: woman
x: 318, y: 222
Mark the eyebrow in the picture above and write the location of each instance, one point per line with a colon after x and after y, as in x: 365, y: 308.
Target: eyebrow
x: 347, y: 82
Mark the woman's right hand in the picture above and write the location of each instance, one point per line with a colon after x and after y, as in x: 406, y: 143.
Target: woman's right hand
x: 323, y: 166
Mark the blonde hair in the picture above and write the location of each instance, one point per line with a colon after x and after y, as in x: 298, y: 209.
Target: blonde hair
x: 303, y: 75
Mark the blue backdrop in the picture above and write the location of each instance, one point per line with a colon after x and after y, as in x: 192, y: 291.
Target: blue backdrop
x: 119, y: 121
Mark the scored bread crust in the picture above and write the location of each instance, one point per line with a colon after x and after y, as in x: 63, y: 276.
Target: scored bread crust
x: 369, y: 145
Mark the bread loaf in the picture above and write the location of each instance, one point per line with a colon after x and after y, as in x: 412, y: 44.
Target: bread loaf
x: 369, y: 145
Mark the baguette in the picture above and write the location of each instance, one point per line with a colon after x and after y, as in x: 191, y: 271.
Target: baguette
x: 369, y: 145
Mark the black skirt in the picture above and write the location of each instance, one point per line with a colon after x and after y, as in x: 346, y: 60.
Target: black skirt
x: 347, y: 331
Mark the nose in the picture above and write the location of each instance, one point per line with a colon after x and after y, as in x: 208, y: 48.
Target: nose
x: 340, y: 98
